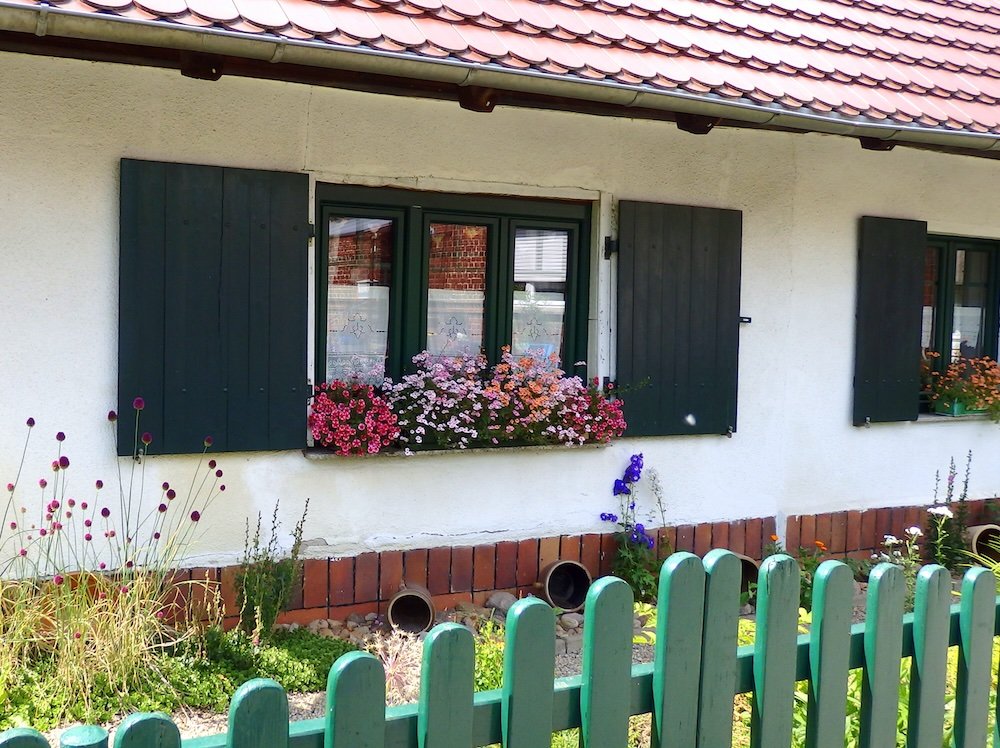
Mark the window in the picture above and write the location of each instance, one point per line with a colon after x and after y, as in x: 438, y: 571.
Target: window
x: 678, y: 317
x: 404, y: 271
x: 918, y: 293
x: 960, y: 297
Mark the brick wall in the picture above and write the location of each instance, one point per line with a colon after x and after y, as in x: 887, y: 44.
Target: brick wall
x: 362, y: 256
x: 337, y: 587
x: 457, y: 257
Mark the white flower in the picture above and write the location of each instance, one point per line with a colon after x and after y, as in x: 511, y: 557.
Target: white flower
x: 941, y: 511
x: 914, y: 532
x: 890, y: 540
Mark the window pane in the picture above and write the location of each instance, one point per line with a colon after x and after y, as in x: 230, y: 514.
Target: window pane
x: 932, y: 262
x: 456, y: 293
x: 971, y: 279
x: 360, y: 261
x: 539, y: 291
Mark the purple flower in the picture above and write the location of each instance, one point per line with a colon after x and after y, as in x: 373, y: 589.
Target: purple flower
x: 621, y: 488
x: 156, y: 536
x: 218, y: 473
x: 88, y: 537
x: 30, y: 422
x: 60, y: 436
x: 112, y: 416
x: 222, y: 487
x: 147, y: 438
x: 58, y: 579
x: 195, y: 515
x: 99, y: 484
x: 162, y: 508
x: 64, y: 462
x: 632, y: 473
x: 42, y: 482
x: 138, y: 403
x: 105, y: 512
x: 640, y: 528
x: 209, y: 441
x: 165, y: 485
x: 171, y: 494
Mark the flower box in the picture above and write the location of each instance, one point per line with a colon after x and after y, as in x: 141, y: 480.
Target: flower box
x: 955, y: 409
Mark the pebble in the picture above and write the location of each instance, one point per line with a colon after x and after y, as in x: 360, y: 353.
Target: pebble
x: 501, y: 601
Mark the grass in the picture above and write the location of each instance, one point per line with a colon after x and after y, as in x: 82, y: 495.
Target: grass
x: 201, y: 673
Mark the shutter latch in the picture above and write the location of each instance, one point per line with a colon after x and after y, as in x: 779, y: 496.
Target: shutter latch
x: 729, y: 432
x: 610, y: 247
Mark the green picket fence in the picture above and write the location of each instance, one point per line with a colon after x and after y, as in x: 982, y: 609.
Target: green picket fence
x: 688, y: 688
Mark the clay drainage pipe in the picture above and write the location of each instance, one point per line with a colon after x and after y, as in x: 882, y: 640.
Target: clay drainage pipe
x: 985, y: 541
x: 411, y: 609
x: 564, y: 585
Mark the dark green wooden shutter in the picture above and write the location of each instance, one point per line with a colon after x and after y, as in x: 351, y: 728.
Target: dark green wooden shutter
x: 678, y: 317
x: 212, y: 306
x: 888, y: 320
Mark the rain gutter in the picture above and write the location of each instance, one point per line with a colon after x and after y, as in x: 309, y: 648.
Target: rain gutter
x: 53, y: 21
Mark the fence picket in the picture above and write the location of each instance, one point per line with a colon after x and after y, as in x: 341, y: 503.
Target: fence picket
x: 22, y: 737
x: 932, y: 608
x: 447, y: 682
x: 972, y: 692
x: 723, y: 573
x: 883, y: 647
x: 677, y: 663
x: 84, y: 736
x: 829, y: 655
x: 528, y: 667
x: 774, y: 653
x: 258, y: 716
x: 355, y: 703
x: 147, y: 731
x: 607, y: 664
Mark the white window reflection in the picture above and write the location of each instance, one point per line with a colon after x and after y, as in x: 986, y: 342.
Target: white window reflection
x: 540, y: 257
x: 456, y: 293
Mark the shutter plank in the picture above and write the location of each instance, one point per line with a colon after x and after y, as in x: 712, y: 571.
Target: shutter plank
x: 194, y: 375
x: 140, y: 297
x: 888, y: 320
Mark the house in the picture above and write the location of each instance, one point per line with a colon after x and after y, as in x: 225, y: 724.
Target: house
x: 766, y: 212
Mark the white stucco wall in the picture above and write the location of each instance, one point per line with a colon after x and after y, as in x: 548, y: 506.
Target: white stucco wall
x: 65, y: 124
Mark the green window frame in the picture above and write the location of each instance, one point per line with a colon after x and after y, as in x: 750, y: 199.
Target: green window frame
x: 943, y: 252
x: 412, y: 212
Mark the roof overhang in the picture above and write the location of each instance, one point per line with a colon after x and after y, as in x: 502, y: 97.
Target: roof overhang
x: 60, y: 32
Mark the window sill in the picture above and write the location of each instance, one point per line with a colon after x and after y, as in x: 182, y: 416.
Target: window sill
x: 938, y: 418
x: 318, y: 453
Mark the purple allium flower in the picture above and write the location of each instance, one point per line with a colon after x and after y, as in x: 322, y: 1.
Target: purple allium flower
x: 42, y: 482
x: 209, y: 441
x: 105, y: 512
x: 162, y: 508
x: 195, y: 515
x: 58, y: 579
x: 129, y: 564
x: 111, y: 533
x: 30, y: 422
x: 71, y: 503
x: 211, y: 464
x: 88, y: 537
x: 218, y: 473
x: 146, y: 438
x: 60, y: 436
x: 76, y: 634
x: 112, y: 416
x: 138, y: 403
x: 64, y: 462
x: 165, y: 485
x: 10, y: 487
x: 124, y: 589
x: 102, y: 566
x: 222, y: 487
x: 171, y: 494
x: 23, y: 551
x: 13, y: 525
x: 55, y: 466
x: 156, y: 536
x: 83, y: 505
x: 99, y: 484
x: 88, y: 522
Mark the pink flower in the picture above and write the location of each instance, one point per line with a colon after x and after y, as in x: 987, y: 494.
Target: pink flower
x: 42, y: 482
x: 60, y: 436
x: 112, y: 416
x: 146, y: 438
x: 209, y: 441
x: 138, y: 403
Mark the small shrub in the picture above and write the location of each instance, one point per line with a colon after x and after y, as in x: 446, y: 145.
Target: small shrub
x: 489, y: 656
x: 948, y: 519
x: 264, y: 583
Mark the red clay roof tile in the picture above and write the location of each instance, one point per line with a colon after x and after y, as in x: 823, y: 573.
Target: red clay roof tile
x: 932, y: 62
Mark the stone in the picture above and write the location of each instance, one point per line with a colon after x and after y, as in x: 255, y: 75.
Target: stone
x: 465, y: 607
x: 501, y: 601
x: 351, y: 625
x: 371, y: 617
x: 361, y: 631
x: 294, y: 627
x: 571, y: 620
x: 322, y: 623
x: 574, y: 644
x: 746, y: 610
x: 560, y: 646
x: 334, y: 623
x: 327, y: 633
x: 357, y: 618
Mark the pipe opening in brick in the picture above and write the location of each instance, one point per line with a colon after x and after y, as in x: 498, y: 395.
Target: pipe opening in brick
x: 985, y: 541
x: 411, y: 610
x: 564, y: 584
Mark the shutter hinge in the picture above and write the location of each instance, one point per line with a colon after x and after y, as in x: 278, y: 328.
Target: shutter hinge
x: 868, y: 422
x: 729, y: 432
x: 745, y: 320
x: 610, y: 247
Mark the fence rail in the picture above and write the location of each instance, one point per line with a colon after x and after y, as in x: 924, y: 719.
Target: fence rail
x: 688, y: 688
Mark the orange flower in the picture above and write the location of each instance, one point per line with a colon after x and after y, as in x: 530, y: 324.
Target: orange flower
x: 774, y: 538
x: 821, y: 545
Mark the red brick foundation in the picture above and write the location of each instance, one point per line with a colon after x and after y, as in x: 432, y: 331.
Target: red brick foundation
x: 337, y: 587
